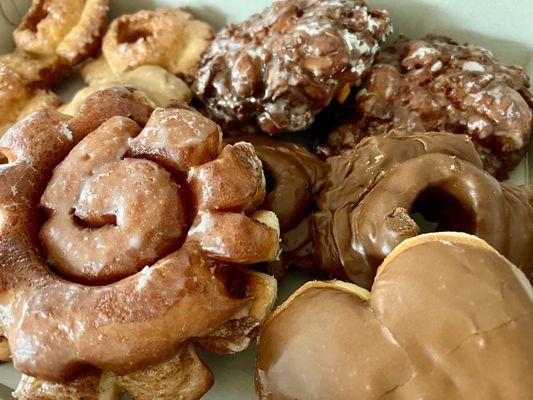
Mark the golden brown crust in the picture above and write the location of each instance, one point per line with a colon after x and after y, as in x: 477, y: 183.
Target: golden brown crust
x: 53, y: 36
x: 89, y: 385
x: 170, y: 38
x: 18, y: 100
x: 184, y: 377
x: 69, y: 30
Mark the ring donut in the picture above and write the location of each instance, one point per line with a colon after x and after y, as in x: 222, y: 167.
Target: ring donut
x: 169, y: 38
x: 373, y: 190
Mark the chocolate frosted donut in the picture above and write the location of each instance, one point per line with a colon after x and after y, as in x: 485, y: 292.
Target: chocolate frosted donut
x: 294, y: 178
x: 448, y: 318
x: 372, y: 191
x: 435, y: 84
x: 279, y: 68
x: 166, y: 213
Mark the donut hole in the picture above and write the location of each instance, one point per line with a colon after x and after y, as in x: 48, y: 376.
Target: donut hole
x: 131, y: 34
x: 436, y: 210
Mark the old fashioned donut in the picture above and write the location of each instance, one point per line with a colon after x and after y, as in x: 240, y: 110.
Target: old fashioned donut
x: 435, y: 84
x: 281, y: 67
x: 53, y: 36
x: 169, y: 38
x: 448, y: 317
x: 180, y: 274
x: 70, y: 30
x: 372, y: 192
x: 294, y: 178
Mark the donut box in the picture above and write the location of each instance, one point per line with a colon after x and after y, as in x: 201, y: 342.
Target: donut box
x: 504, y: 29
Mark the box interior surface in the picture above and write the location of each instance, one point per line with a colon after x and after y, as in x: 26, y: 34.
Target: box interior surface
x: 502, y: 26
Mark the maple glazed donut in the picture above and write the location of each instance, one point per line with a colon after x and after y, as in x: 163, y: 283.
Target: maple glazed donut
x: 294, y: 178
x: 435, y: 84
x: 179, y: 207
x: 448, y: 317
x: 281, y: 67
x: 371, y: 193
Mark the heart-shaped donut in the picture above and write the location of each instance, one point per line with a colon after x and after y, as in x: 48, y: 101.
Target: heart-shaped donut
x: 447, y: 318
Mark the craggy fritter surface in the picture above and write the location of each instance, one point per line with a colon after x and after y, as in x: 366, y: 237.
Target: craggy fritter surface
x: 435, y: 84
x: 280, y: 67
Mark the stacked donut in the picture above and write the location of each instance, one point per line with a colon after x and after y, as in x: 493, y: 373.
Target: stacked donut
x: 132, y: 232
x: 53, y: 37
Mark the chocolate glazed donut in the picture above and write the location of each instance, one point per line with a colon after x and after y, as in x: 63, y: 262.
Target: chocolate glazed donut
x: 371, y: 192
x: 179, y: 208
x: 294, y: 178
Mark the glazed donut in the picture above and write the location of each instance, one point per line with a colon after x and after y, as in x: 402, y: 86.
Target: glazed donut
x: 169, y: 38
x: 70, y: 30
x: 294, y: 177
x: 53, y: 36
x: 278, y: 69
x: 435, y: 84
x: 89, y: 175
x: 17, y: 100
x: 372, y: 191
x: 448, y: 317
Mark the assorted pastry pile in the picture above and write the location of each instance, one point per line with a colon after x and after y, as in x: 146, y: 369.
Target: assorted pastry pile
x: 155, y: 213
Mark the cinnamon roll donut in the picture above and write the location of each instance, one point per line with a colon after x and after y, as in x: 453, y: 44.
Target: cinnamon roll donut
x: 447, y: 316
x: 148, y: 224
x: 279, y: 68
x: 169, y: 38
x: 436, y: 84
x: 372, y: 192
x: 294, y: 178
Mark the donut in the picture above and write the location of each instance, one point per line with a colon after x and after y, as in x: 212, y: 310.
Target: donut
x: 158, y: 85
x: 17, y: 100
x: 435, y: 84
x: 294, y: 176
x: 179, y: 211
x: 70, y: 30
x: 448, y: 317
x: 169, y: 38
x: 53, y: 36
x: 372, y: 192
x: 279, y: 68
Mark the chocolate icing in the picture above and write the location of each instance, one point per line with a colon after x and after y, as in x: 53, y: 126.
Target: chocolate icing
x: 448, y: 318
x: 279, y: 68
x: 294, y: 178
x: 372, y: 190
x: 435, y: 84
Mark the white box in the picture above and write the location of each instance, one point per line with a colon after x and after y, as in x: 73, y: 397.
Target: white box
x: 503, y: 26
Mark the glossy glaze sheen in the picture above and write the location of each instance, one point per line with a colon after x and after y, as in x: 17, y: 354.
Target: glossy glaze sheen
x: 55, y: 327
x: 373, y: 190
x: 445, y: 320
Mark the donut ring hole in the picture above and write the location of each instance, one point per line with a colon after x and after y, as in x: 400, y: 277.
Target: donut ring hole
x: 131, y: 34
x: 40, y: 13
x: 6, y: 157
x: 436, y: 210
